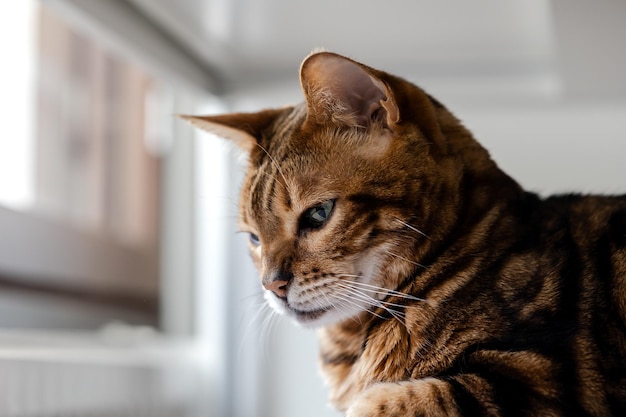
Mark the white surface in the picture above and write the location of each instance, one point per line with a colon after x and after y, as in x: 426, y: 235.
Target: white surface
x: 548, y: 148
x: 260, y: 40
x: 117, y: 372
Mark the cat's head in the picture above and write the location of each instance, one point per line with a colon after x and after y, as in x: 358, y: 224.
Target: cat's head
x: 345, y: 193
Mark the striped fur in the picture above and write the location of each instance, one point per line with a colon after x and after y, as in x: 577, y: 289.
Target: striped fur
x: 438, y: 286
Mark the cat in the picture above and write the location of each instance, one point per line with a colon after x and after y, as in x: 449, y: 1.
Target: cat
x: 439, y: 287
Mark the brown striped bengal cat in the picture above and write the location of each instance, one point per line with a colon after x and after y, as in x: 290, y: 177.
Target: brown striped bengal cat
x: 439, y: 286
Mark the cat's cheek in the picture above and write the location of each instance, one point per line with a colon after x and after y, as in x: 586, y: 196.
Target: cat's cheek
x: 255, y: 254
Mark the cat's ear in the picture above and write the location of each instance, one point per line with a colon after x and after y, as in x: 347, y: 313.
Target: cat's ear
x: 340, y: 90
x: 244, y: 129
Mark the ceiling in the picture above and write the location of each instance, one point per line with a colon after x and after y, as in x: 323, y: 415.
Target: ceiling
x: 251, y: 42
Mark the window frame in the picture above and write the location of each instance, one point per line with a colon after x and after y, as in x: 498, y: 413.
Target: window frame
x: 121, y: 28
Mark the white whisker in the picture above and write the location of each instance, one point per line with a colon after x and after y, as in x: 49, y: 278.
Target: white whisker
x: 350, y: 275
x: 405, y: 259
x: 260, y: 326
x: 280, y: 171
x: 340, y: 307
x: 415, y: 229
x: 346, y: 297
x: 377, y: 303
x: 385, y: 291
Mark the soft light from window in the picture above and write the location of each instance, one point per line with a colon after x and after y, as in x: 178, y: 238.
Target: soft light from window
x: 17, y: 40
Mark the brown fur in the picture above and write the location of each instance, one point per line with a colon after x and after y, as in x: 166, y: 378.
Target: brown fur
x: 441, y: 286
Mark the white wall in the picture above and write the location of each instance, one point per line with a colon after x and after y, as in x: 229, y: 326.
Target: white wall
x: 557, y: 148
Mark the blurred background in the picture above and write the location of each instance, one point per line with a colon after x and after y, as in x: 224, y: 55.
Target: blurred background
x: 124, y: 289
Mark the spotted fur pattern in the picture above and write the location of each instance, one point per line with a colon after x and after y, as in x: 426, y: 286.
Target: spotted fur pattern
x: 438, y: 286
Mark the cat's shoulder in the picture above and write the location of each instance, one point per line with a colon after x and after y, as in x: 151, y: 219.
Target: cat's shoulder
x: 590, y: 216
x: 584, y: 205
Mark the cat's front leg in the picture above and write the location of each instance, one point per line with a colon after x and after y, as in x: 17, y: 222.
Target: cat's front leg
x: 459, y: 396
x: 421, y: 397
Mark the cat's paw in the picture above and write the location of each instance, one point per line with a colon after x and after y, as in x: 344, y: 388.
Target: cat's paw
x: 381, y: 400
x: 407, y: 398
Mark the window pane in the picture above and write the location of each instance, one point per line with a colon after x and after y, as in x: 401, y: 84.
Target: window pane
x: 79, y: 174
x: 17, y: 35
x: 91, y: 163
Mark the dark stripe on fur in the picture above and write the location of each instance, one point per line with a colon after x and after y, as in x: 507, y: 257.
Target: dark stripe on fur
x: 466, y: 400
x: 342, y: 359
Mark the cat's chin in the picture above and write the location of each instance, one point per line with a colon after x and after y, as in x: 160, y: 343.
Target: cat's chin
x: 317, y: 318
x: 311, y: 318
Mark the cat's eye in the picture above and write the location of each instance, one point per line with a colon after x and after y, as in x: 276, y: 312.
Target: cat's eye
x: 254, y: 239
x: 317, y: 216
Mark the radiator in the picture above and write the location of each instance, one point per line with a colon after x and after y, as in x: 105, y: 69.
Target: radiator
x: 56, y: 376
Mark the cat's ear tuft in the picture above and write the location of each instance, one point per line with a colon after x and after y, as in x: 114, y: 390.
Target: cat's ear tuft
x: 244, y: 129
x: 340, y: 90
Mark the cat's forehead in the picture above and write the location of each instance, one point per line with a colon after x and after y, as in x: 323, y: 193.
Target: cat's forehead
x: 295, y: 140
x: 300, y: 169
x: 301, y: 164
x: 295, y: 175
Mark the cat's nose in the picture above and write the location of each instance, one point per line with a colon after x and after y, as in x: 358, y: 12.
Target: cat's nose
x: 278, y: 283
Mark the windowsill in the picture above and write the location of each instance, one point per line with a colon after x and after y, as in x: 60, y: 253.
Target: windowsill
x: 117, y: 371
x: 43, y: 251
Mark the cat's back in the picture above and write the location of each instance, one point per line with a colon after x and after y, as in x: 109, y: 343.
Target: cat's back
x: 597, y: 224
x: 589, y: 235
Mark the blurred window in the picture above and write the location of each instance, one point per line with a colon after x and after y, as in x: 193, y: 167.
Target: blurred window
x: 79, y: 178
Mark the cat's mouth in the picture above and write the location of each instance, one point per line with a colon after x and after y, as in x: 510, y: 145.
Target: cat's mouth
x: 312, y: 312
x: 307, y: 316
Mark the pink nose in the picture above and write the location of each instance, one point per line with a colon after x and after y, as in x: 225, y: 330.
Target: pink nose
x: 277, y: 287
